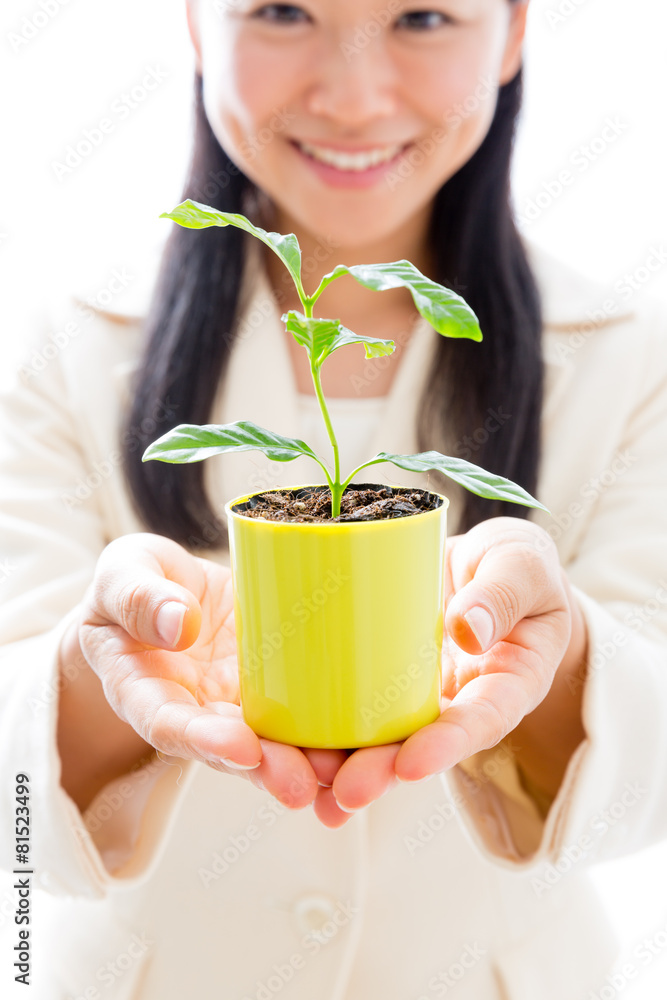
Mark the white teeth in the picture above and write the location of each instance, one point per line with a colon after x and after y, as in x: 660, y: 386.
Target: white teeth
x: 350, y: 161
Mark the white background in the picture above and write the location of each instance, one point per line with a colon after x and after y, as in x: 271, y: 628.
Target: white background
x: 596, y: 59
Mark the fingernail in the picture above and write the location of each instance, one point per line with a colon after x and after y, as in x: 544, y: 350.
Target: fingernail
x: 238, y: 767
x: 170, y: 622
x: 481, y: 625
x: 342, y: 808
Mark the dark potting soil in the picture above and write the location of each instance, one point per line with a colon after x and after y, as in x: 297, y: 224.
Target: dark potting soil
x: 360, y: 502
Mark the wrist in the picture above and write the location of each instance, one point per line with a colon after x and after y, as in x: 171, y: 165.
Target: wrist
x: 549, y: 735
x: 94, y: 744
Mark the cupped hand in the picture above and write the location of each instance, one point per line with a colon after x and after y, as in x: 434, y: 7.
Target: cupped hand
x: 157, y: 627
x: 508, y: 625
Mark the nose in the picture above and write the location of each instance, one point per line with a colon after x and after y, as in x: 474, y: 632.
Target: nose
x: 355, y: 83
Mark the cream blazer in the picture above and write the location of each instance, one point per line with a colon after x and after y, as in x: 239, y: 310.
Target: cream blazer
x: 179, y: 881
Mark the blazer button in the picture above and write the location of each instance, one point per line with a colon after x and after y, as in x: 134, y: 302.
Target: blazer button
x: 313, y: 911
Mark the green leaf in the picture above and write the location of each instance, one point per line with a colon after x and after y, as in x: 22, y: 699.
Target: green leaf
x: 321, y: 337
x: 193, y: 215
x: 193, y: 443
x: 472, y: 477
x: 446, y: 311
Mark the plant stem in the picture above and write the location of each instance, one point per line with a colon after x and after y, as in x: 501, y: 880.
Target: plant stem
x: 326, y: 280
x: 373, y: 461
x: 335, y: 485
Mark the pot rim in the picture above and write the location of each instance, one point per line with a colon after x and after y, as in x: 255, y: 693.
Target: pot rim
x: 328, y: 525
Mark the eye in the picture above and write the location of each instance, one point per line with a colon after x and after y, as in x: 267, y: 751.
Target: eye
x: 423, y: 20
x: 281, y: 13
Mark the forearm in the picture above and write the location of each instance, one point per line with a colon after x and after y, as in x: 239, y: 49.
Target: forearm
x: 545, y: 740
x: 94, y: 744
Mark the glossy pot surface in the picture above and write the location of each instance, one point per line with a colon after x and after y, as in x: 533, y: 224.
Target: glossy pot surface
x: 339, y: 626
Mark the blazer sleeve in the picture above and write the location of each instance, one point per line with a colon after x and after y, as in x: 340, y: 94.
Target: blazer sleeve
x: 611, y: 801
x: 49, y: 545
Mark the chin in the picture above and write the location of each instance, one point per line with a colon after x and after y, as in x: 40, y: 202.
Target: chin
x: 349, y: 227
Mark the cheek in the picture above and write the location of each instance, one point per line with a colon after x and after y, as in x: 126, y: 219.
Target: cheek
x: 458, y: 93
x: 454, y: 79
x: 253, y: 83
x: 259, y: 78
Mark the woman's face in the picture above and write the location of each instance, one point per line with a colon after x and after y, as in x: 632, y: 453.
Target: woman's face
x: 350, y: 114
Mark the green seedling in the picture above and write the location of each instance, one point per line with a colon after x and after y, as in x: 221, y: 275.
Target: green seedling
x: 446, y: 311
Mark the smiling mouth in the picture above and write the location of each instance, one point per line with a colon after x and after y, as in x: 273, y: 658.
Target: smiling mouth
x: 351, y: 162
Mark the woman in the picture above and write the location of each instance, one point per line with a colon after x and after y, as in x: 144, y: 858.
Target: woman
x: 373, y: 134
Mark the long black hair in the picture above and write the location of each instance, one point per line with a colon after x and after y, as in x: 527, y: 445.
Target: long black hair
x: 487, y: 395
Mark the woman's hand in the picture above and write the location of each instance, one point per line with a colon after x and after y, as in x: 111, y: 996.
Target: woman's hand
x: 508, y: 626
x: 157, y: 627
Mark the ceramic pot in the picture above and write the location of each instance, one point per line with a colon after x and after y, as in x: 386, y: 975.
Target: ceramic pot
x: 339, y: 625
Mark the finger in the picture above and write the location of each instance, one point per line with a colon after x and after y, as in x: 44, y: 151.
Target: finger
x: 327, y: 810
x: 326, y: 764
x: 365, y: 776
x: 169, y: 717
x: 146, y: 585
x: 450, y: 589
x: 501, y: 576
x: 480, y: 716
x: 285, y: 773
x: 218, y: 736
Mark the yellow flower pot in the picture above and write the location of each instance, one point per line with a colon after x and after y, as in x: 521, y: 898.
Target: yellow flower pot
x: 339, y: 626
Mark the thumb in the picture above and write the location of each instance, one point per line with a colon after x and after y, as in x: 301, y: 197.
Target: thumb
x: 511, y: 581
x: 143, y: 584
